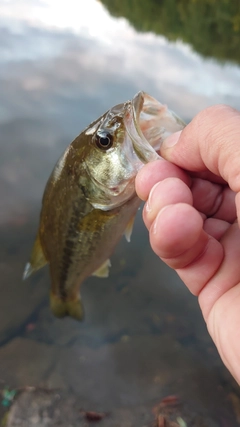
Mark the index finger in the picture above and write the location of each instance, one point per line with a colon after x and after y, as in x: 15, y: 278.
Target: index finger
x: 211, y: 141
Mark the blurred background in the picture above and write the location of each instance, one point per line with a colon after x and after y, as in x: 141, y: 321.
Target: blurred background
x: 62, y: 64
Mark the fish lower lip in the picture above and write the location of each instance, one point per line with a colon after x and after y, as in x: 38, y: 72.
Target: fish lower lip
x: 144, y: 151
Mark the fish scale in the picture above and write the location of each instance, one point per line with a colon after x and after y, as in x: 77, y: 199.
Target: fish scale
x: 90, y: 201
x: 68, y: 252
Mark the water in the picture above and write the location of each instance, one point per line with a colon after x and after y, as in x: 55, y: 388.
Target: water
x: 143, y: 337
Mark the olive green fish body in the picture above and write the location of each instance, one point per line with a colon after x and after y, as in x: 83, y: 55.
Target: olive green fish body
x: 77, y: 244
x: 90, y: 201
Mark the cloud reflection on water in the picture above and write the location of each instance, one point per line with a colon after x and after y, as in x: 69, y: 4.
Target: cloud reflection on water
x: 63, y: 64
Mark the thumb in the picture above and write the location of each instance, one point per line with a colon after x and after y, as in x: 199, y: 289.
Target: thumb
x: 210, y: 142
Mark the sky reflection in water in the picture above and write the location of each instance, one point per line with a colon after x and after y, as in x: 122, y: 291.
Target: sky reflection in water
x: 64, y: 64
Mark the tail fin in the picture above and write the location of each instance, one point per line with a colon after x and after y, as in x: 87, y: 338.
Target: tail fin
x: 62, y: 308
x: 37, y: 259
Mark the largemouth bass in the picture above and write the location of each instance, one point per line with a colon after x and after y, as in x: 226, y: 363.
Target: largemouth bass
x: 90, y: 201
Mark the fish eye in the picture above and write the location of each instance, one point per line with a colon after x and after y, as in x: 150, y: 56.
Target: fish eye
x: 104, y: 140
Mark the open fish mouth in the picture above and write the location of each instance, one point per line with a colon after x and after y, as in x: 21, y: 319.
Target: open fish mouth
x: 148, y: 123
x: 142, y: 147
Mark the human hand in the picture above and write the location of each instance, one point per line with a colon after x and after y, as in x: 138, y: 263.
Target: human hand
x: 193, y: 217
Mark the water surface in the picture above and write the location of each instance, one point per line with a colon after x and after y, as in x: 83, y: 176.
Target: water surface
x: 143, y: 337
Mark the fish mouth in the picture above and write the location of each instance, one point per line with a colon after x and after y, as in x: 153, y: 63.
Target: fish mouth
x: 145, y: 152
x: 148, y: 124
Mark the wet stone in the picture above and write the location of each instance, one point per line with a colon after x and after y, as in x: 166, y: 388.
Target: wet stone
x: 44, y: 408
x: 131, y: 373
x: 35, y: 407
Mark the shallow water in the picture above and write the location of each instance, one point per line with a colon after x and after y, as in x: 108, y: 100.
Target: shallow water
x: 143, y: 336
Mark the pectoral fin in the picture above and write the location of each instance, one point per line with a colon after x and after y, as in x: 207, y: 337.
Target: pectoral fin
x: 103, y: 270
x: 129, y: 228
x: 37, y: 259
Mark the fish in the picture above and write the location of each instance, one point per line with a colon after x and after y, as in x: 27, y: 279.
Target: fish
x: 90, y: 201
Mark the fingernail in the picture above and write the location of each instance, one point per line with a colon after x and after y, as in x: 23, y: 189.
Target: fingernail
x: 171, y: 140
x: 148, y: 206
x: 155, y: 224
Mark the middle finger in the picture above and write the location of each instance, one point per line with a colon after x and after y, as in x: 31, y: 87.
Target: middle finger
x: 214, y: 200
